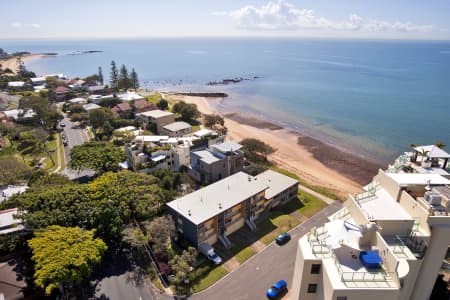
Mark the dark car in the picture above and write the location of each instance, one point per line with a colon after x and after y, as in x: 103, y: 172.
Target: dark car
x: 62, y: 124
x: 283, y: 238
x: 278, y: 289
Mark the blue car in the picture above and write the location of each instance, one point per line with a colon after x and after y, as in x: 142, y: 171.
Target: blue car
x: 278, y: 289
x: 283, y: 238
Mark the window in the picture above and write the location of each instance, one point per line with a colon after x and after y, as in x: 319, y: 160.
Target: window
x: 315, y: 269
x: 312, y: 288
x: 341, y: 298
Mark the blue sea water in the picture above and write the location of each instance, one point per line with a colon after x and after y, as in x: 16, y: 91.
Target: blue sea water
x: 369, y: 97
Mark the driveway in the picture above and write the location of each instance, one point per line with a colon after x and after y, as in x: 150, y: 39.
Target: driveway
x: 256, y: 275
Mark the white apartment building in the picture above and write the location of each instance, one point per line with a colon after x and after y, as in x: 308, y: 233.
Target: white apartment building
x: 386, y: 243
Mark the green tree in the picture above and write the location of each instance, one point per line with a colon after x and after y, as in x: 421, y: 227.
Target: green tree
x: 42, y: 178
x: 188, y: 111
x: 255, y: 149
x: 440, y: 144
x: 100, y: 120
x: 163, y: 104
x: 13, y: 171
x: 161, y: 230
x: 212, y: 120
x: 134, y: 81
x: 98, y: 156
x: 64, y: 255
x: 46, y: 112
x: 100, y: 75
x: 114, y: 77
x: 181, y: 266
x: 124, y: 79
x: 133, y: 236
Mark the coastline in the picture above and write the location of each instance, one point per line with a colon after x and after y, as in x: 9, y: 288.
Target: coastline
x: 312, y: 160
x: 12, y: 63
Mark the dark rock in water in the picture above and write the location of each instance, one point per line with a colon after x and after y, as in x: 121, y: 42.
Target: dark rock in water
x: 211, y: 95
x: 230, y: 80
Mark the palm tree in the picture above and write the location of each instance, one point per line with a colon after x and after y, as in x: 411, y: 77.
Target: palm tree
x: 423, y: 153
x: 440, y: 144
x: 413, y: 145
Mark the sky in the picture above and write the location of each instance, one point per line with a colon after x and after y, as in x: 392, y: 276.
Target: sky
x: 83, y: 19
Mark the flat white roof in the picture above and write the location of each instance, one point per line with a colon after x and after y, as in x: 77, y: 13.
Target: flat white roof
x: 37, y: 79
x: 382, y: 206
x: 78, y: 100
x: 209, y: 201
x: 227, y: 146
x: 277, y: 182
x: 16, y: 83
x: 130, y: 96
x: 156, y: 113
x: 204, y: 132
x: 175, y: 126
x: 151, y: 138
x: 207, y: 156
x: 91, y: 106
x: 7, y: 220
x: 11, y: 190
x: 418, y: 179
x: 126, y: 128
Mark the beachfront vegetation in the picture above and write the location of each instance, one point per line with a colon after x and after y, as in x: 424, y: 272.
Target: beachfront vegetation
x: 215, y: 122
x: 98, y: 156
x: 121, y: 79
x: 64, y: 255
x: 163, y: 104
x: 134, y: 81
x: 256, y: 150
x: 114, y: 76
x: 100, y: 75
x: 188, y: 111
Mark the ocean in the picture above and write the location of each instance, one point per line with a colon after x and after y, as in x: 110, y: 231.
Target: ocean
x: 372, y: 98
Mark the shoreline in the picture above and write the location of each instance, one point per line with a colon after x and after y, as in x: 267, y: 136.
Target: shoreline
x: 12, y: 63
x: 312, y: 160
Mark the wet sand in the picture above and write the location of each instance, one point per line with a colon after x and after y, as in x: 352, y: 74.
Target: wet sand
x: 312, y: 160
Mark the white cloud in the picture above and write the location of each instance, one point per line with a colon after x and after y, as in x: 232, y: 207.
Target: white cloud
x: 220, y: 13
x: 16, y: 24
x: 35, y: 25
x: 282, y: 15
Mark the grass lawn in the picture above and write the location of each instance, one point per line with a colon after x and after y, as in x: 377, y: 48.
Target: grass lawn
x: 51, y: 147
x: 155, y: 98
x: 245, y: 254
x: 284, y: 219
x: 324, y: 191
x: 311, y: 204
x: 211, y: 277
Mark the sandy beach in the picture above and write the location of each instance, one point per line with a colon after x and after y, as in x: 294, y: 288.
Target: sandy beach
x: 13, y: 64
x: 313, y: 161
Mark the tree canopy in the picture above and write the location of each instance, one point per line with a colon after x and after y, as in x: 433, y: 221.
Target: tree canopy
x: 114, y: 76
x: 124, y: 78
x: 188, y: 111
x: 98, y: 156
x: 107, y: 204
x: 160, y: 231
x: 12, y: 171
x: 181, y: 266
x: 255, y: 149
x: 47, y: 114
x: 64, y: 255
x: 163, y: 104
x: 134, y: 81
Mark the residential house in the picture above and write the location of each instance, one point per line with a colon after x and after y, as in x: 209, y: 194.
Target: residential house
x: 145, y: 157
x: 158, y: 118
x: 9, y: 223
x: 385, y: 243
x: 130, y: 96
x: 20, y: 115
x: 61, y: 92
x: 91, y: 106
x: 11, y: 190
x: 143, y: 105
x: 176, y: 129
x: 16, y: 85
x: 212, y: 213
x: 97, y: 89
x: 122, y: 109
x: 38, y: 80
x: 78, y: 101
x: 216, y: 162
x: 282, y: 188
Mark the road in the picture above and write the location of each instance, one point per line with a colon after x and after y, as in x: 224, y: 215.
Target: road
x: 254, y: 277
x: 75, y: 136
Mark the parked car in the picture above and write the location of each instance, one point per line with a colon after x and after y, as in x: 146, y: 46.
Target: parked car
x: 208, y: 251
x: 283, y: 238
x: 277, y: 290
x: 62, y: 124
